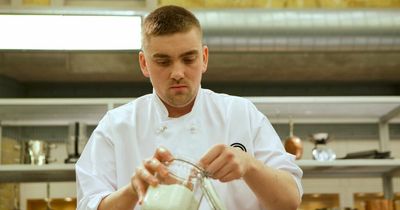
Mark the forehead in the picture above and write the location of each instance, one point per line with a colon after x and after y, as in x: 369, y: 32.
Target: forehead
x: 174, y: 43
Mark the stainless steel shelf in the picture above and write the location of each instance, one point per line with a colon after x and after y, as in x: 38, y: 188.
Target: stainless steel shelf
x: 350, y: 168
x: 311, y: 168
x: 34, y: 173
x: 369, y: 109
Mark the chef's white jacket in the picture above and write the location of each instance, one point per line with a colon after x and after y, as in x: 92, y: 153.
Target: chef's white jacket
x: 129, y: 134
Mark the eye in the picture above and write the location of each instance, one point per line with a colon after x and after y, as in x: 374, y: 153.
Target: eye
x: 163, y: 62
x: 189, y: 59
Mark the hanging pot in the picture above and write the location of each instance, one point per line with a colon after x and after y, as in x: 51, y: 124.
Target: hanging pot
x: 293, y: 144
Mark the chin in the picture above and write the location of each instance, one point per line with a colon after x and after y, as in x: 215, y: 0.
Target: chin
x: 180, y: 103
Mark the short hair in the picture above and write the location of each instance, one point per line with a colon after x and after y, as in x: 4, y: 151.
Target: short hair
x: 168, y: 20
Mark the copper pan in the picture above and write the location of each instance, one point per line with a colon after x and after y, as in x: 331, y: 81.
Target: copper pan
x: 293, y: 144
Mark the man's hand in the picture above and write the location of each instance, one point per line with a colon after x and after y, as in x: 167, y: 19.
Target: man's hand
x: 145, y: 174
x: 226, y: 163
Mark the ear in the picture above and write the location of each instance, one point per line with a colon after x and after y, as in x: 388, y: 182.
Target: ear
x: 205, y: 58
x: 143, y: 64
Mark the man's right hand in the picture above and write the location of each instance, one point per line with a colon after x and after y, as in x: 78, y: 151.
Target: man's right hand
x: 145, y: 174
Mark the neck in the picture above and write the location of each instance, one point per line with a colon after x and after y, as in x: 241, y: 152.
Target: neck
x: 175, y: 112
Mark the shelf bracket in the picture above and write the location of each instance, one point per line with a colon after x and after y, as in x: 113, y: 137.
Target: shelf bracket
x: 151, y: 4
x: 384, y: 128
x: 16, y: 3
x: 387, y: 180
x: 1, y: 141
x: 383, y: 136
x: 57, y: 3
x: 390, y: 115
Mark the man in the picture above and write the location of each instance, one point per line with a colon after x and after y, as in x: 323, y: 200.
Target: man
x: 131, y: 142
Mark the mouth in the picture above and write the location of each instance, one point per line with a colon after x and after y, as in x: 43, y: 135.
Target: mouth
x: 178, y: 89
x: 178, y: 86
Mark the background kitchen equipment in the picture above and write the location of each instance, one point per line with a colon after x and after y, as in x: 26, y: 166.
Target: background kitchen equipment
x: 37, y: 152
x: 48, y: 199
x: 76, y: 141
x: 368, y: 154
x: 321, y: 152
x: 293, y: 144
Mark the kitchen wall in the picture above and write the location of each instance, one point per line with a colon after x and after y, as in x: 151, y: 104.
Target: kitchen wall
x: 10, y: 88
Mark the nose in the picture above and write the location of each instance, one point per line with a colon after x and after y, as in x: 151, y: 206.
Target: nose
x: 178, y: 72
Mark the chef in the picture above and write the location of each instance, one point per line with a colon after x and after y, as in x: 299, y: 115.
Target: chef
x: 225, y: 135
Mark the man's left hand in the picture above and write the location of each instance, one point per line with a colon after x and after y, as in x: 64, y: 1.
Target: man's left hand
x: 226, y: 163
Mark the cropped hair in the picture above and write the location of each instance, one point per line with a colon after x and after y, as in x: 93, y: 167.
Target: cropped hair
x: 168, y: 20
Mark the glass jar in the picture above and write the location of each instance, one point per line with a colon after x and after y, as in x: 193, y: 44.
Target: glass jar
x: 182, y: 189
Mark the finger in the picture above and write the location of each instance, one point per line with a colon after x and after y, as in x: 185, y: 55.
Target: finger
x: 163, y: 155
x: 232, y: 175
x: 140, y: 189
x: 220, y: 162
x: 211, y: 155
x: 144, y: 175
x: 225, y: 170
x: 155, y: 166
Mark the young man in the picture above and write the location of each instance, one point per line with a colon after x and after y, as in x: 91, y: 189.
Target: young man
x: 180, y: 118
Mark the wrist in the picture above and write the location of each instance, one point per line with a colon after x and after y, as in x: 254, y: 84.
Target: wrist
x: 252, y: 167
x: 131, y: 191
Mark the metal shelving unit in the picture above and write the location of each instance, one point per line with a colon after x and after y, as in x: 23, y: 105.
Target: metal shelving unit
x: 311, y: 169
x: 34, y: 173
x: 279, y: 109
x: 379, y: 110
x: 350, y: 168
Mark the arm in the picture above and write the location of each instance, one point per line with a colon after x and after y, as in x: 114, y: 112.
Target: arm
x: 124, y: 198
x: 274, y: 188
x: 128, y: 196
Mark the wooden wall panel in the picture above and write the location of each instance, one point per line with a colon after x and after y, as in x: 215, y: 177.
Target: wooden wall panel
x: 36, y: 2
x: 284, y: 3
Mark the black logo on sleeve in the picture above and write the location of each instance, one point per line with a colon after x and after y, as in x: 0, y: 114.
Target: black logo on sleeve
x: 239, y: 145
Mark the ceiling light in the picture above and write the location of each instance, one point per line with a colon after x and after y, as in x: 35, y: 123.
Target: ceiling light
x: 69, y: 32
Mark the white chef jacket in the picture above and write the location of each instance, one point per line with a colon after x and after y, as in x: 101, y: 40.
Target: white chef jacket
x: 131, y: 133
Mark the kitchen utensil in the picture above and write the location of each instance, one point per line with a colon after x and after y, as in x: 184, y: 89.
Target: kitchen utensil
x: 37, y: 152
x: 76, y: 141
x: 16, y: 197
x: 368, y: 154
x: 321, y: 151
x: 182, y: 188
x: 48, y: 199
x: 293, y: 144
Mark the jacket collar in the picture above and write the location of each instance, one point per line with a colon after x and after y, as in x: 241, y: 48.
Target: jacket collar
x: 162, y: 111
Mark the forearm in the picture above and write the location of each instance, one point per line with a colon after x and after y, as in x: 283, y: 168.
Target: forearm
x: 122, y: 199
x: 274, y: 188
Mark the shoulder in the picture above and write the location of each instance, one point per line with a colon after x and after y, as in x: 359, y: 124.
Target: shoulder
x: 227, y: 101
x: 128, y: 110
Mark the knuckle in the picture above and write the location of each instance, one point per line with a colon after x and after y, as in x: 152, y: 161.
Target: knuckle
x: 230, y: 155
x: 236, y: 166
x: 154, y: 163
x: 238, y: 174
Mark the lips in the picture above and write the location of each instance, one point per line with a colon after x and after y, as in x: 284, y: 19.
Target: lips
x: 178, y: 86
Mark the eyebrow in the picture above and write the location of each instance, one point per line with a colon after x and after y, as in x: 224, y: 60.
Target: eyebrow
x: 160, y: 55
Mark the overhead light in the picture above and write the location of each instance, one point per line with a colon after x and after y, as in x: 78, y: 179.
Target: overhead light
x: 70, y: 32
